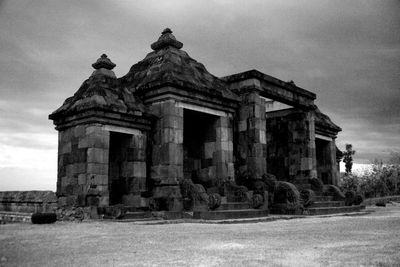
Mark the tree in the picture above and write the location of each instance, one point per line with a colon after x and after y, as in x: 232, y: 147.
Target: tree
x: 348, y: 157
x: 394, y: 158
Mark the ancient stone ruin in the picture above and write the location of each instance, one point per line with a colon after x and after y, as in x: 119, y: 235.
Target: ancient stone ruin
x: 170, y: 136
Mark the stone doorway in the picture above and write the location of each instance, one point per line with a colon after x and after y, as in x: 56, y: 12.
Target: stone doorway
x: 323, y: 155
x: 118, y: 166
x: 199, y: 147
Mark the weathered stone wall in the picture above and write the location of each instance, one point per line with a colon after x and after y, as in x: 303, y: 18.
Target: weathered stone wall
x: 291, y: 145
x: 28, y: 201
x: 83, y: 166
x: 251, y: 147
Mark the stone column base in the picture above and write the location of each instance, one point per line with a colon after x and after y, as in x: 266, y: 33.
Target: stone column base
x: 168, y: 198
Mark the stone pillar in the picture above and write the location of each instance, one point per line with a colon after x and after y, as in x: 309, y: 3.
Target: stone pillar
x: 134, y: 170
x: 301, y: 147
x: 333, y: 166
x: 83, y: 166
x: 223, y: 154
x: 252, y: 136
x: 167, y: 154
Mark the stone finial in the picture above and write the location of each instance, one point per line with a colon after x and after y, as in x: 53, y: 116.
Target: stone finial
x: 103, y: 62
x: 166, y: 39
x: 166, y: 30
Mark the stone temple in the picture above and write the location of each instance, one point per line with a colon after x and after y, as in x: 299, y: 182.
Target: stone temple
x: 169, y: 133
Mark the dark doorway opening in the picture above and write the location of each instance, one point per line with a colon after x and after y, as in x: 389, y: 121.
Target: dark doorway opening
x: 199, y: 137
x: 323, y: 154
x: 119, y: 144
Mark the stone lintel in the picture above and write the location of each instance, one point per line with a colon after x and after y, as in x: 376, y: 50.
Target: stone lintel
x: 272, y: 105
x: 323, y: 137
x: 207, y: 110
x: 118, y: 129
x: 188, y: 95
x: 255, y: 74
x: 325, y: 131
x: 282, y: 113
x: 276, y: 94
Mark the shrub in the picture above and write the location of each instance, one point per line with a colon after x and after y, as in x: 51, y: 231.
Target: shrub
x: 214, y: 201
x: 349, y: 182
x: 383, y: 180
x: 270, y: 182
x: 43, y: 218
x: 308, y: 196
x: 259, y: 187
x: 331, y: 190
x: 241, y: 193
x: 358, y: 199
x: 350, y: 196
x: 286, y: 193
x: 316, y: 184
x: 257, y: 201
x: 194, y: 192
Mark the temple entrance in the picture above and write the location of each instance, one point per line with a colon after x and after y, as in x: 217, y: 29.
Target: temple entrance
x: 199, y: 146
x: 323, y: 154
x: 118, y: 162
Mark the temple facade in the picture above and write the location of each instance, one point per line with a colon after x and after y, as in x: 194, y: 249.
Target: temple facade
x: 134, y: 140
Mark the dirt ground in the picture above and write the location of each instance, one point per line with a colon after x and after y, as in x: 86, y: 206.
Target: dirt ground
x: 368, y: 240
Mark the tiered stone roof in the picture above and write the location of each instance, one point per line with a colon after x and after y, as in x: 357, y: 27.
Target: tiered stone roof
x: 101, y: 91
x: 169, y: 65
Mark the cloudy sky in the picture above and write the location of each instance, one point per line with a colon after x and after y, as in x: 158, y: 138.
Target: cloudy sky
x: 347, y: 52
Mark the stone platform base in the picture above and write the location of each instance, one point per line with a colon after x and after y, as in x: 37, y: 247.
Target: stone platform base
x: 229, y: 214
x: 333, y: 210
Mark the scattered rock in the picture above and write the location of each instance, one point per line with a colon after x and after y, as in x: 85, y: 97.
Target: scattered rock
x: 381, y: 204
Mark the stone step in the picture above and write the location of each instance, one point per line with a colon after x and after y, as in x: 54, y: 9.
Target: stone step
x: 132, y: 209
x: 229, y: 214
x: 136, y: 215
x: 321, y: 204
x: 302, y: 181
x: 332, y: 210
x: 234, y: 206
x: 303, y: 186
x: 323, y: 198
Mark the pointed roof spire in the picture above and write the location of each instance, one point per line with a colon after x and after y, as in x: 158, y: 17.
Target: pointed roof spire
x: 166, y: 39
x: 103, y: 62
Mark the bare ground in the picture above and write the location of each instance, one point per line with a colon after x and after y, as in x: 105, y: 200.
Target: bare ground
x: 367, y: 240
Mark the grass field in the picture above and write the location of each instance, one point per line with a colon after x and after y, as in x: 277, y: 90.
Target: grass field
x: 371, y: 240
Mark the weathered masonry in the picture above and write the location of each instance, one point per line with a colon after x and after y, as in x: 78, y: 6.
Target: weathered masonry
x: 136, y: 140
